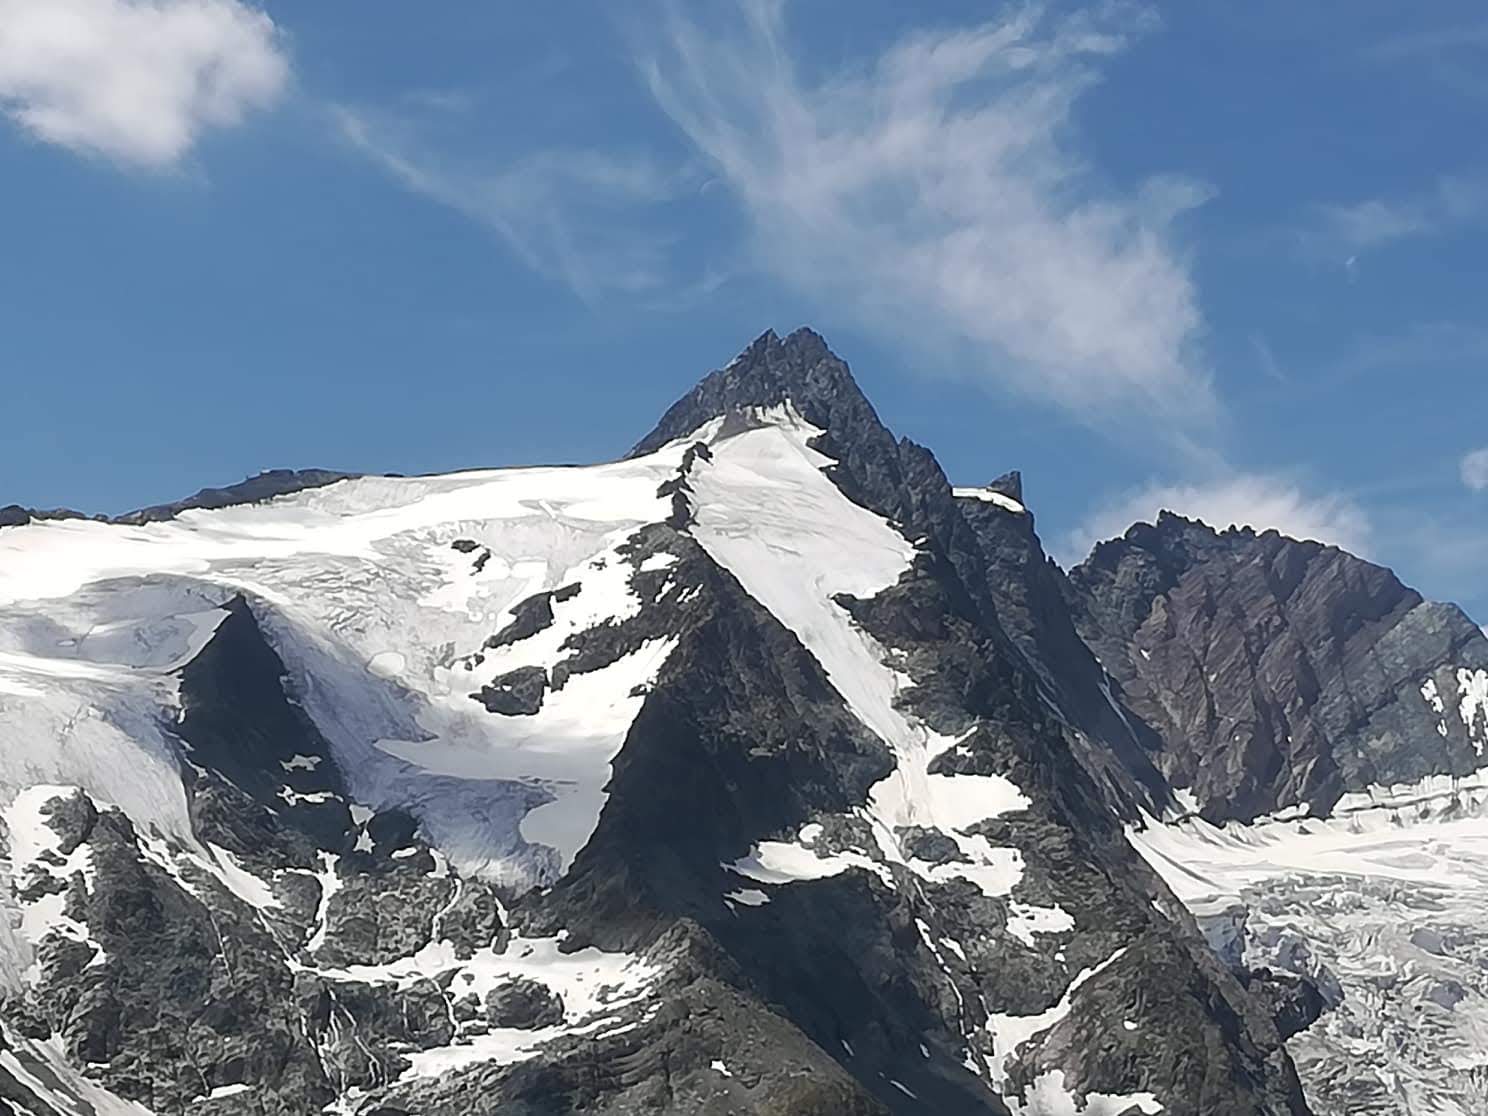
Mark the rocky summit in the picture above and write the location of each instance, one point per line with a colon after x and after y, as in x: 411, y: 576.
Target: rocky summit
x: 762, y: 771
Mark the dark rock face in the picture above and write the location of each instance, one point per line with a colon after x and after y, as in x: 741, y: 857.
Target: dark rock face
x: 1277, y: 672
x: 242, y: 731
x: 1114, y: 745
x: 1295, y: 1002
x: 1010, y: 484
x: 516, y: 693
x: 531, y: 616
x: 523, y: 1004
x: 14, y: 515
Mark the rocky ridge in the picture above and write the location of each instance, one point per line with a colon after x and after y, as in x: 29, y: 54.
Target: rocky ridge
x: 788, y: 779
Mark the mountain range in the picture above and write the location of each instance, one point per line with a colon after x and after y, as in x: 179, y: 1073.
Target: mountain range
x: 761, y: 771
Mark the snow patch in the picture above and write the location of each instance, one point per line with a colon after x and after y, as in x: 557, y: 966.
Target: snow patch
x: 786, y: 862
x: 1473, y: 686
x: 387, y: 664
x: 330, y: 883
x: 1188, y: 802
x: 221, y: 1092
x: 1024, y: 921
x: 592, y: 984
x: 35, y: 856
x: 748, y: 897
x: 990, y: 496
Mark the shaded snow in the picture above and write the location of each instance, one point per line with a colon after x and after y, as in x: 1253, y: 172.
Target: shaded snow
x: 1385, y: 905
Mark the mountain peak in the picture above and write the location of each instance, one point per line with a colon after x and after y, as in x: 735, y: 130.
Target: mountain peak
x: 800, y: 368
x: 1010, y: 484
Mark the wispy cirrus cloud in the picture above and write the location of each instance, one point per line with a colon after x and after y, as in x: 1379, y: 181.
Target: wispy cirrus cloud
x: 1346, y: 231
x: 582, y: 217
x: 1450, y: 55
x: 1474, y: 470
x: 1259, y: 500
x: 937, y: 189
x: 136, y: 81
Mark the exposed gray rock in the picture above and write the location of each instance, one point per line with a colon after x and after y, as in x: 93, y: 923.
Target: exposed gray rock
x: 1277, y: 672
x: 524, y: 1004
x: 516, y: 693
x: 379, y: 916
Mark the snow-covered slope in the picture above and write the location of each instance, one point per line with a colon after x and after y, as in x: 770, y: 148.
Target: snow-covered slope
x: 379, y: 594
x: 551, y: 790
x: 1383, y: 905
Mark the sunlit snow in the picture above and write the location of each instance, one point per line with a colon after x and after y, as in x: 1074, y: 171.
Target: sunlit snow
x: 379, y: 621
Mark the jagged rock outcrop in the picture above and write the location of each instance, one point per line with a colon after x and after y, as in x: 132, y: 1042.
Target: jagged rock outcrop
x: 1280, y: 673
x: 1114, y: 745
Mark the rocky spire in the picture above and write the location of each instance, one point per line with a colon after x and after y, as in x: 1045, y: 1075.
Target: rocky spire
x: 771, y: 370
x: 1010, y: 484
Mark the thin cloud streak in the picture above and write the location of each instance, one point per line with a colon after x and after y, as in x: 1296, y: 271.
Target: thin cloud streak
x: 1474, y: 469
x: 569, y: 215
x: 937, y: 191
x: 1345, y: 232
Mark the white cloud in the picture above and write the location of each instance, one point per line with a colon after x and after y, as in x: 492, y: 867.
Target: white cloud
x: 1347, y: 230
x: 1261, y: 501
x: 937, y: 191
x: 572, y: 215
x: 1475, y: 470
x: 136, y: 81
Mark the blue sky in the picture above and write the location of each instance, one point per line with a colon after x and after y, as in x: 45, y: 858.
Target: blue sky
x: 1225, y: 258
